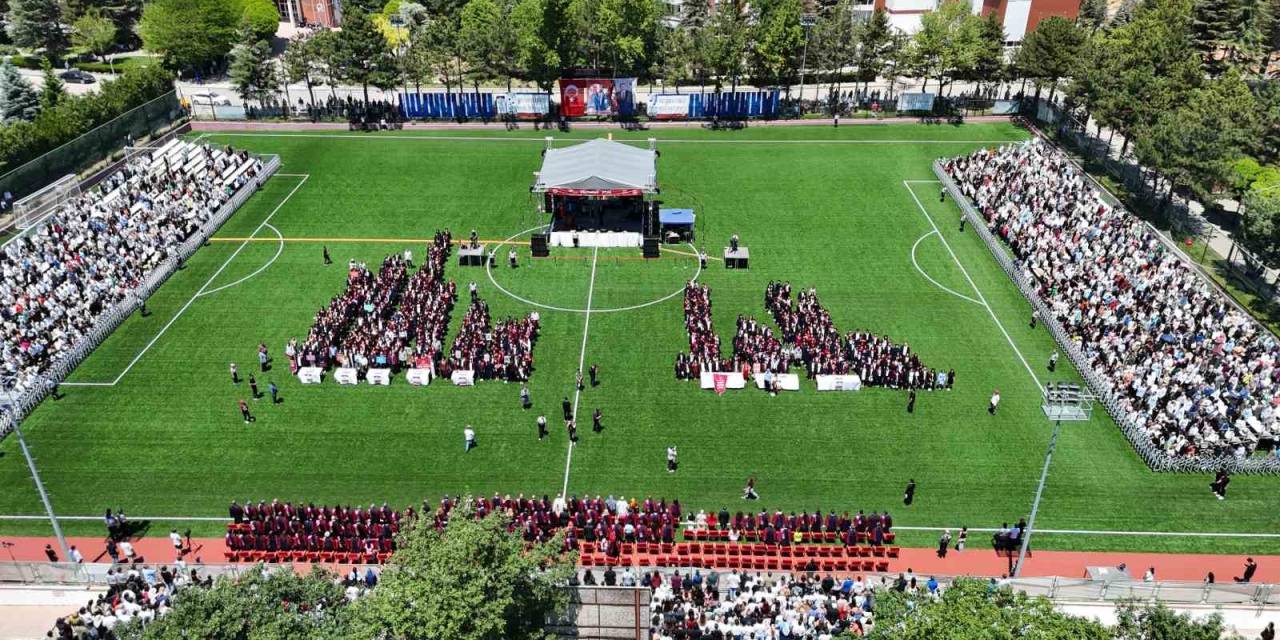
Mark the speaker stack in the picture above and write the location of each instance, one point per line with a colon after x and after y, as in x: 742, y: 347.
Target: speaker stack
x: 538, y: 245
x: 651, y: 246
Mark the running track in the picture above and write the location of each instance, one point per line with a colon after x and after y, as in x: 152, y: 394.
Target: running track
x: 976, y: 561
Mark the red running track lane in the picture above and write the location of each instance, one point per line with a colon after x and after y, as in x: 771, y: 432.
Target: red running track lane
x: 973, y: 561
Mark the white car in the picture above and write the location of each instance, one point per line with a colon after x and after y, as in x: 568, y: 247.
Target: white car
x: 209, y: 97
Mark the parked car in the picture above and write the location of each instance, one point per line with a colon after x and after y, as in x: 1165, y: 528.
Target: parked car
x: 209, y: 98
x: 77, y: 76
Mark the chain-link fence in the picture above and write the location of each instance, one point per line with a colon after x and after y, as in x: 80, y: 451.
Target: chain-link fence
x: 94, y: 146
x: 1154, y: 456
x: 24, y: 403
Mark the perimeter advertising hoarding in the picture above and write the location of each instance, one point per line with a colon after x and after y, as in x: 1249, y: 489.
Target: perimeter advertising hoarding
x: 524, y: 105
x: 669, y: 106
x: 1005, y: 107
x: 915, y: 102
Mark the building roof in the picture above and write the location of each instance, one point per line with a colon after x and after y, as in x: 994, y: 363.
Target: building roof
x: 599, y: 167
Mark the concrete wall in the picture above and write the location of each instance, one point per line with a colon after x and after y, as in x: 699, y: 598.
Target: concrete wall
x: 607, y: 613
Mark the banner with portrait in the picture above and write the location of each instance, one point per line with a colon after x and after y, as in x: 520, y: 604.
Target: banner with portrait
x: 586, y: 97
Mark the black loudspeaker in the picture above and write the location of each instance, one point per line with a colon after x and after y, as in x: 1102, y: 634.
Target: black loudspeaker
x: 651, y: 247
x: 538, y: 245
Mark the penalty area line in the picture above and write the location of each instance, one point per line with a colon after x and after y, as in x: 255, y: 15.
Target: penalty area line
x: 200, y: 292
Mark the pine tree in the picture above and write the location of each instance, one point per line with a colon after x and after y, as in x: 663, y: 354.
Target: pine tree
x: 1216, y: 25
x: 1093, y: 14
x: 18, y: 99
x: 252, y: 71
x: 52, y: 89
x: 37, y: 24
x: 1124, y: 14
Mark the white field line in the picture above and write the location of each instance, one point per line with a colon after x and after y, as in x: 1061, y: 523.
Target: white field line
x: 926, y: 275
x: 976, y: 290
x: 279, y: 250
x: 582, y: 359
x: 246, y: 134
x: 198, y: 293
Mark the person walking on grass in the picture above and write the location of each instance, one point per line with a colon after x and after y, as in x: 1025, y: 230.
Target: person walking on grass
x: 1053, y: 361
x: 672, y: 459
x: 253, y: 387
x: 572, y: 428
x: 995, y: 402
x: 274, y: 391
x: 542, y: 427
x: 327, y: 259
x: 568, y: 408
x: 244, y: 411
x: 469, y: 439
x: 1219, y: 485
x: 594, y: 372
x: 911, y: 400
x: 596, y: 426
x: 909, y: 495
x: 579, y: 381
x: 524, y: 396
x: 235, y: 374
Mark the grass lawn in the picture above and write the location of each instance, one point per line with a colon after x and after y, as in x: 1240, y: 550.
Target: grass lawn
x: 819, y: 207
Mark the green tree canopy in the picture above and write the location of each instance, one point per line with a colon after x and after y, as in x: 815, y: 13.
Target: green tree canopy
x: 190, y: 34
x: 252, y: 71
x: 94, y: 32
x: 941, y: 47
x: 260, y: 17
x: 18, y: 99
x: 473, y: 581
x: 537, y: 25
x: 778, y: 41
x: 874, y: 47
x: 52, y: 89
x: 976, y: 610
x: 362, y: 54
x: 262, y: 603
x: 1051, y: 52
x: 303, y: 63
x: 37, y: 24
x: 489, y: 44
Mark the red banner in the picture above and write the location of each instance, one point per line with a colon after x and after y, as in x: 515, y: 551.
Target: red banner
x: 721, y: 382
x: 586, y: 97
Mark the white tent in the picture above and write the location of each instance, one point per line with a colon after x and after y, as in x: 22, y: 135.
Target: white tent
x: 599, y: 167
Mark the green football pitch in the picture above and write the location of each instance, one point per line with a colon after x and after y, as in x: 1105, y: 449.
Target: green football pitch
x: 851, y: 212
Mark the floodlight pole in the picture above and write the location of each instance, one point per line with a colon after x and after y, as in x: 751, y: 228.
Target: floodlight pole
x: 807, y: 20
x: 1035, y: 505
x: 35, y: 476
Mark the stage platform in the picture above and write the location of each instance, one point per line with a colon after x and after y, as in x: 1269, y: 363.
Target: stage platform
x: 469, y: 256
x: 603, y: 239
x: 736, y: 259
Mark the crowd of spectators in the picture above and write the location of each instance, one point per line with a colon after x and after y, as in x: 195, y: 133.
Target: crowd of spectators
x: 282, y: 526
x: 134, y: 594
x: 1195, y: 374
x: 809, y: 339
x: 743, y: 606
x: 494, y: 351
x: 60, y: 277
x: 390, y: 320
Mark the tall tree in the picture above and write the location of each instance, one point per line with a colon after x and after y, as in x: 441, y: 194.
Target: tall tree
x: 1093, y: 14
x: 489, y: 44
x: 875, y: 44
x: 37, y: 24
x: 190, y: 34
x: 1135, y: 621
x: 301, y: 62
x: 94, y: 32
x: 728, y: 37
x: 252, y: 71
x: 52, y: 89
x: 833, y: 44
x: 939, y: 48
x: 779, y: 40
x: 537, y: 25
x: 474, y: 580
x: 18, y: 99
x: 365, y: 59
x: 677, y: 55
x: 1051, y: 52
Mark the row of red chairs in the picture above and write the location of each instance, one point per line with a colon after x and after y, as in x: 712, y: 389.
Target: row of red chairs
x: 734, y: 562
x: 738, y: 549
x: 757, y: 534
x: 340, y: 557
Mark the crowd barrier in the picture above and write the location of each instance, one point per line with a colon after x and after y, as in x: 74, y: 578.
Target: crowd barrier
x: 1155, y: 457
x: 23, y: 404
